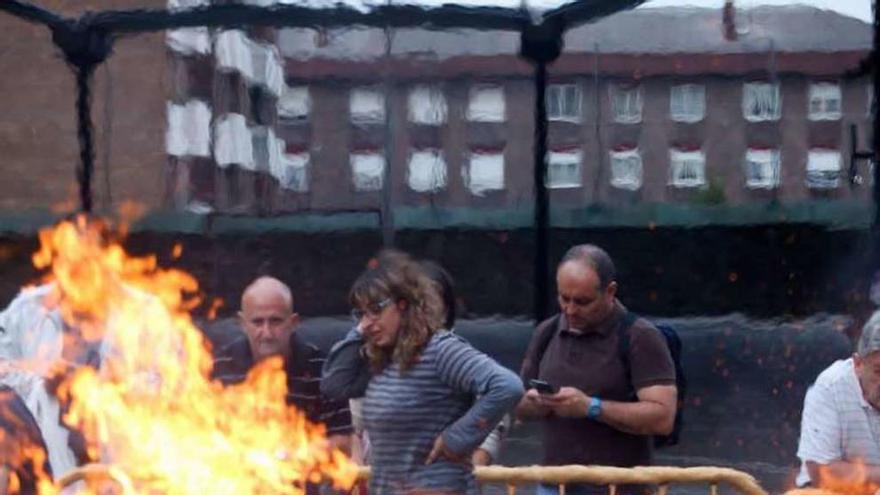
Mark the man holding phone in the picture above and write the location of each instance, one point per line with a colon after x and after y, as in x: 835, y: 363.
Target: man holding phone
x: 597, y: 405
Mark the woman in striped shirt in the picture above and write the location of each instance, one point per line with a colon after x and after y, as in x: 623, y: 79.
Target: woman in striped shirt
x: 429, y: 397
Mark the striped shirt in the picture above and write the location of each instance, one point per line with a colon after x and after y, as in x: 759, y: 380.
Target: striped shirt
x: 234, y: 360
x: 838, y: 424
x: 404, y: 412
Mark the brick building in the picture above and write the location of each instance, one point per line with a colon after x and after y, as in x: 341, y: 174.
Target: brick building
x: 702, y: 107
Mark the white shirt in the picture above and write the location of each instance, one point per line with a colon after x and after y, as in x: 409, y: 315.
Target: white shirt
x: 838, y: 424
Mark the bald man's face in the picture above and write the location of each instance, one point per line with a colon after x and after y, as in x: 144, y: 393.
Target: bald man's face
x: 268, y: 320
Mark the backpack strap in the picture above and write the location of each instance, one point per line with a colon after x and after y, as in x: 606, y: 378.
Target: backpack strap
x: 547, y: 331
x: 626, y: 322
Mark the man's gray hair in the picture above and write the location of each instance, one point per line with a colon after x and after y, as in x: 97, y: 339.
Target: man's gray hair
x: 596, y: 258
x: 870, y: 339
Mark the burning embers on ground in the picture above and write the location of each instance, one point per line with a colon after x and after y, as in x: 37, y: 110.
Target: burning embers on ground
x: 149, y: 408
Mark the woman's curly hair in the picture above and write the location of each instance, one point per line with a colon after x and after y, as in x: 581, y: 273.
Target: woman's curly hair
x: 396, y: 276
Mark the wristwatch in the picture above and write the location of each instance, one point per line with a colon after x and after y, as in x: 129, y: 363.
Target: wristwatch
x: 595, y: 408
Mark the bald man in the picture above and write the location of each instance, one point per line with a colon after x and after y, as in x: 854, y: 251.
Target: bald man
x: 269, y: 323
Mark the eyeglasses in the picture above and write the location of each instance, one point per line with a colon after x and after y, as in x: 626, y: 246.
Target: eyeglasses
x: 372, y: 310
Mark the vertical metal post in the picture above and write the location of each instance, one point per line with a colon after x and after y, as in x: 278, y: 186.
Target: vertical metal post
x: 387, y: 209
x: 541, y: 45
x: 542, y: 203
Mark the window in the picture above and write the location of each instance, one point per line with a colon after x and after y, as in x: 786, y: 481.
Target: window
x: 261, y: 143
x: 564, y: 102
x: 426, y: 105
x: 762, y: 169
x: 761, y: 102
x: 294, y: 171
x: 485, y: 172
x: 294, y: 103
x: 687, y: 168
x: 823, y: 169
x: 189, y: 41
x: 824, y: 101
x: 233, y: 53
x: 189, y: 129
x: 626, y: 104
x: 427, y: 171
x: 232, y: 142
x: 564, y: 169
x: 626, y: 169
x: 367, y: 106
x: 268, y: 70
x: 687, y: 103
x: 367, y: 170
x: 486, y: 103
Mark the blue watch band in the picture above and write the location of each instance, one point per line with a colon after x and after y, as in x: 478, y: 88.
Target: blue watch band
x: 595, y: 408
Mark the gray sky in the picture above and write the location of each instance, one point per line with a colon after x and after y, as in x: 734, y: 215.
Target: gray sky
x: 860, y: 9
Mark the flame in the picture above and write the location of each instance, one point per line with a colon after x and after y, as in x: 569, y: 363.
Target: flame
x: 216, y: 304
x: 177, y: 251
x: 151, y: 411
x: 852, y: 481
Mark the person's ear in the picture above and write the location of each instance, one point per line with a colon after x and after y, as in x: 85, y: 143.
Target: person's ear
x: 294, y: 320
x: 402, y: 305
x: 611, y: 290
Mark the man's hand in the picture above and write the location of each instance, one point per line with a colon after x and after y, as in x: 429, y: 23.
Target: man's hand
x: 569, y: 402
x: 341, y: 442
x: 532, y: 405
x: 441, y: 450
x: 481, y: 458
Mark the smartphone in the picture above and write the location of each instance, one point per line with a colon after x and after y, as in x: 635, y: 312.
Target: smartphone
x: 543, y: 387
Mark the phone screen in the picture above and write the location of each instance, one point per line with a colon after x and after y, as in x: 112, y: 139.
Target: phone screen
x: 543, y: 387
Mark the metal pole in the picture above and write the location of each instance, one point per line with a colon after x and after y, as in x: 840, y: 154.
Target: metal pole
x: 542, y: 203
x: 387, y: 216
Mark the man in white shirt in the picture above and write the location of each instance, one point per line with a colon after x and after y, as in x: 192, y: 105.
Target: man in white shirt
x: 840, y: 426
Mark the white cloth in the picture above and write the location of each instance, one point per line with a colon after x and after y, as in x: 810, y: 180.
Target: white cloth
x: 838, y: 424
x: 30, y: 341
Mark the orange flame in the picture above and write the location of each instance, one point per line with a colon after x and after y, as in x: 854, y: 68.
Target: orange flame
x: 150, y: 410
x: 216, y: 304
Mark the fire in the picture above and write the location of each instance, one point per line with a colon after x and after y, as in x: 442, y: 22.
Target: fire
x: 151, y: 411
x: 854, y: 481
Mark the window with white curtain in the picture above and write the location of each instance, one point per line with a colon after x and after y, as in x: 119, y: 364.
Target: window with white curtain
x: 486, y: 103
x: 295, y: 103
x: 233, y: 144
x: 426, y: 105
x: 687, y: 168
x: 761, y: 102
x: 485, y: 172
x: 823, y: 168
x: 564, y: 169
x: 626, y: 169
x: 294, y: 171
x: 626, y: 103
x: 189, y: 41
x: 189, y: 129
x: 232, y: 50
x: 825, y: 101
x: 762, y: 168
x: 367, y: 170
x: 687, y: 103
x: 426, y: 171
x: 366, y: 105
x: 564, y: 102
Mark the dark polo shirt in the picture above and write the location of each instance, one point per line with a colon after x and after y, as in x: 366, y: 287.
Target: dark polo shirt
x: 233, y: 361
x: 591, y: 362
